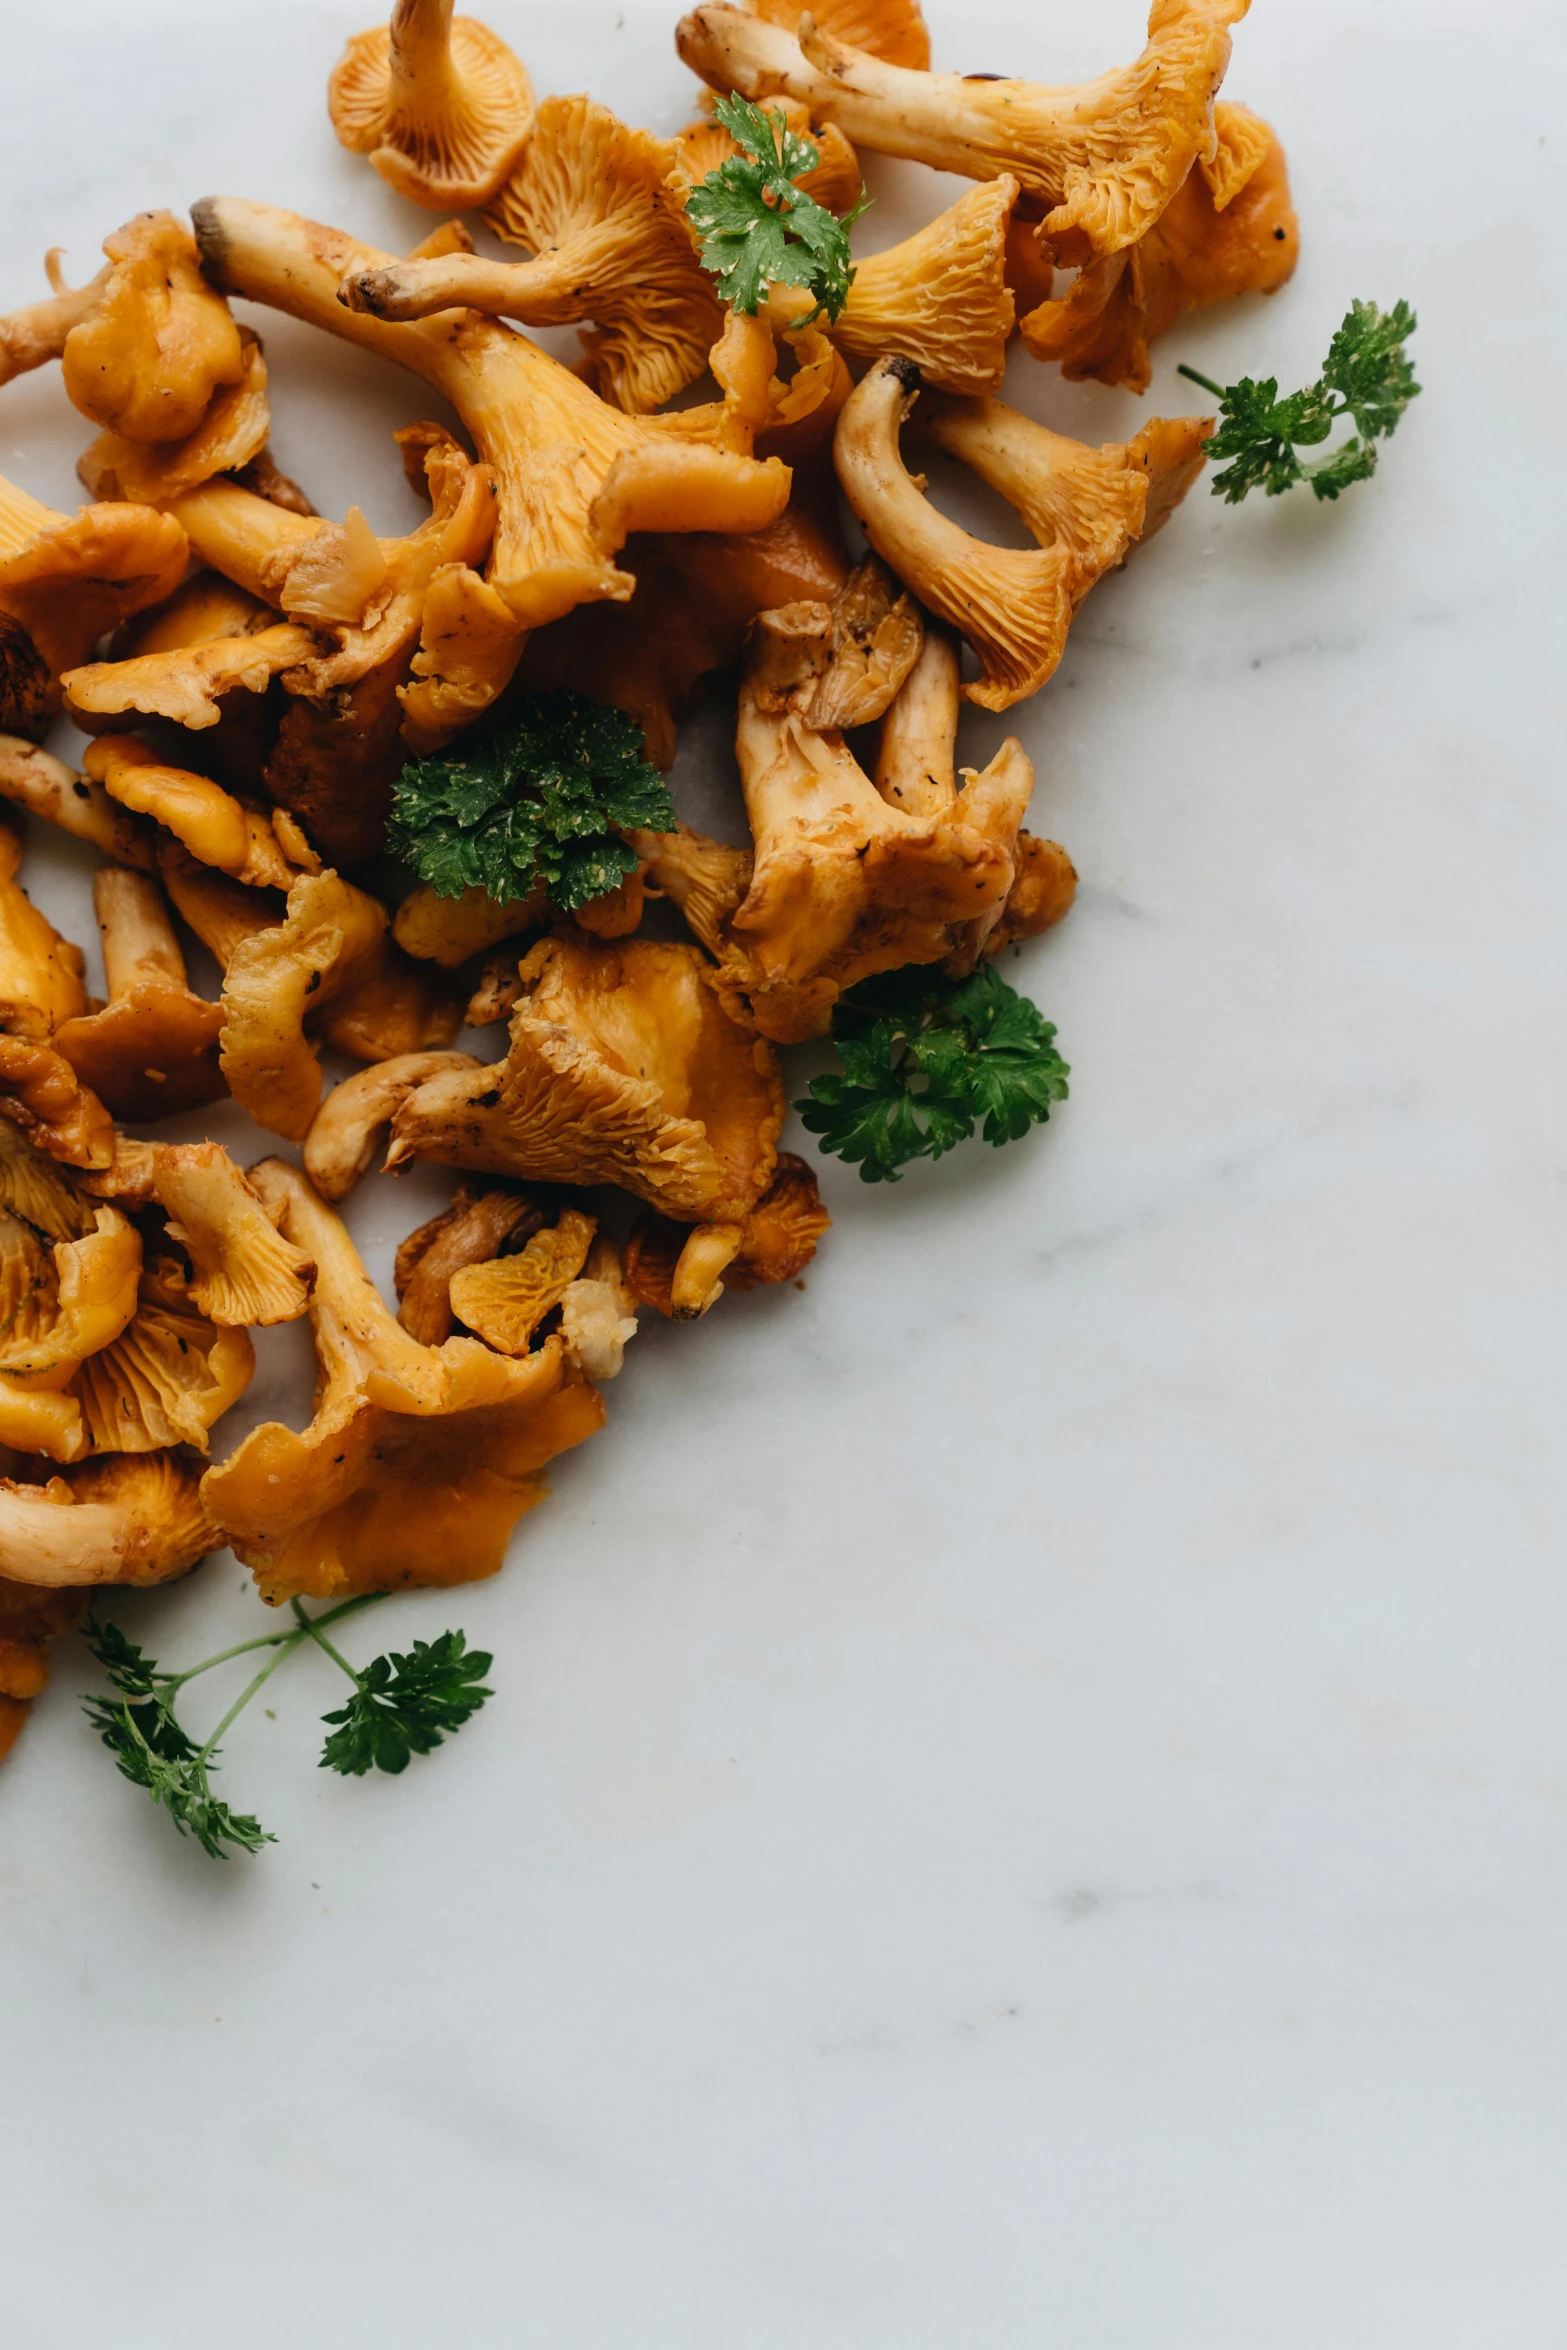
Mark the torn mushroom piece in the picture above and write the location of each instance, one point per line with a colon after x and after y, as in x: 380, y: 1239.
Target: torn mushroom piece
x: 419, y: 1460
x: 573, y: 475
x: 598, y: 1317
x: 439, y: 103
x: 46, y: 787
x: 844, y: 881
x: 1084, y: 506
x: 1229, y: 229
x: 152, y: 1051
x: 231, y: 434
x: 623, y: 1068
x: 145, y: 346
x: 504, y: 1299
x: 776, y: 1243
x: 482, y: 1220
x: 41, y: 1093
x: 63, y: 582
x: 242, y: 1269
x: 30, y: 1620
x: 592, y: 202
x: 207, y: 820
x: 133, y: 1519
x: 1106, y: 157
x: 40, y: 972
x: 876, y: 631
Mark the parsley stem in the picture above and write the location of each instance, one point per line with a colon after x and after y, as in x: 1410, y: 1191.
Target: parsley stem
x: 173, y: 1681
x: 319, y: 1637
x: 289, y: 1642
x: 1206, y: 381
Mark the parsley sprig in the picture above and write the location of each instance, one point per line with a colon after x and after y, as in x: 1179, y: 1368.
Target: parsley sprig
x: 926, y: 1060
x: 534, y: 799
x: 1367, y: 378
x: 401, y: 1706
x: 758, y: 229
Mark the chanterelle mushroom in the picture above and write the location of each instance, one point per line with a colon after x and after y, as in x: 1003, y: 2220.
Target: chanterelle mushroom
x: 329, y: 936
x: 1229, y: 229
x: 123, y: 1518
x: 145, y: 346
x: 893, y: 29
x: 231, y: 434
x: 845, y: 881
x: 1084, y: 506
x: 63, y: 581
x: 624, y: 1068
x: 775, y: 1243
x: 153, y: 1049
x: 59, y: 1305
x: 210, y: 822
x: 1106, y: 157
x: 243, y: 1270
x: 419, y: 1460
x: 439, y: 104
x: 574, y: 476
x: 593, y: 203
x: 41, y: 1093
x: 40, y: 972
x: 356, y: 1117
x: 483, y: 1219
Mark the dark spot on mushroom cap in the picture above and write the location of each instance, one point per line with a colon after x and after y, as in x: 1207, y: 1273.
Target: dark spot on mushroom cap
x: 1279, y: 234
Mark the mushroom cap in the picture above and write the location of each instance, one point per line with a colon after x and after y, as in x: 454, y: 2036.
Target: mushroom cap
x: 41, y: 1093
x: 169, y: 1375
x: 40, y: 972
x: 893, y: 29
x: 149, y: 1054
x: 941, y: 297
x: 188, y: 682
x: 65, y: 581
x: 877, y: 633
x: 124, y: 1518
x: 232, y: 432
x: 470, y: 1232
x: 440, y: 104
x: 158, y: 342
x: 624, y: 1068
x: 504, y: 1300
x: 215, y: 827
x: 244, y: 1270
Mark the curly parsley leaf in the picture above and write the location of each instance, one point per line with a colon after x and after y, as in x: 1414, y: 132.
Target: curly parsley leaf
x: 154, y: 1753
x: 758, y: 229
x: 1367, y: 377
x: 406, y: 1705
x: 926, y: 1060
x: 532, y: 801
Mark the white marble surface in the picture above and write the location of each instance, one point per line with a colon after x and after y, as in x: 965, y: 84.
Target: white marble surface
x: 1027, y: 1803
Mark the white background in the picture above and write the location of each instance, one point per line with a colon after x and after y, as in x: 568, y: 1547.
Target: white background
x: 1027, y: 1799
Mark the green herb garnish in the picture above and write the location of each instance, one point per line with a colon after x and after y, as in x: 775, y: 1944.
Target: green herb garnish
x: 925, y: 1061
x: 1366, y: 378
x: 758, y: 229
x: 401, y: 1706
x: 531, y: 801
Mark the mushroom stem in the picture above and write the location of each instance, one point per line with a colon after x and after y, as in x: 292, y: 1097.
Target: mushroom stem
x: 46, y: 787
x: 424, y: 84
x: 221, y: 912
x: 915, y: 768
x: 138, y: 938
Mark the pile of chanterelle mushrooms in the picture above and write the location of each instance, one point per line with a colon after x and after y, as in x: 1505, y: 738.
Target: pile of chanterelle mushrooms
x: 254, y: 678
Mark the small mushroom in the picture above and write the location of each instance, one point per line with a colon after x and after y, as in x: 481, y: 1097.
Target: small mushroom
x: 1084, y: 506
x: 40, y: 972
x: 450, y: 931
x: 206, y: 819
x: 244, y: 1271
x: 480, y: 1221
x: 42, y: 1095
x: 152, y: 1052
x: 504, y: 1299
x: 145, y: 346
x: 775, y: 1244
x: 1106, y: 157
x: 941, y: 297
x: 133, y: 1519
x: 623, y: 1068
x: 63, y: 582
x: 598, y: 1315
x: 328, y: 937
x: 231, y: 434
x: 46, y: 787
x: 876, y: 635
x: 419, y: 1460
x: 592, y: 201
x: 167, y: 1378
x: 439, y: 104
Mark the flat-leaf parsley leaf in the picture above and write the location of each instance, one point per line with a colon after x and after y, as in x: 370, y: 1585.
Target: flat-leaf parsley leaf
x: 758, y: 229
x: 404, y: 1706
x: 1367, y: 377
x: 534, y: 799
x: 926, y: 1060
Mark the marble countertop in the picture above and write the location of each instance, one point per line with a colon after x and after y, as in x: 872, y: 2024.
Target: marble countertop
x: 1027, y: 1799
